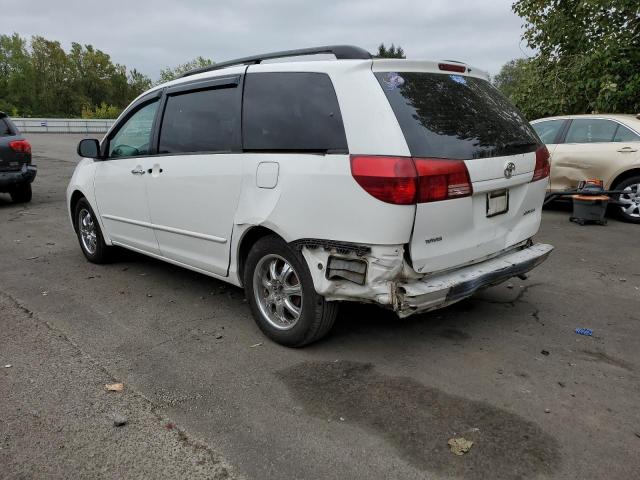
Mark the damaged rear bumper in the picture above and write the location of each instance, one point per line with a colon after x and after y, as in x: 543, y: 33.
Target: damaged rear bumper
x: 444, y: 289
x: 388, y: 280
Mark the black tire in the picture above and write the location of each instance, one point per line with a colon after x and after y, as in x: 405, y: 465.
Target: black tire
x: 316, y: 315
x: 102, y: 252
x: 634, y: 183
x: 21, y: 193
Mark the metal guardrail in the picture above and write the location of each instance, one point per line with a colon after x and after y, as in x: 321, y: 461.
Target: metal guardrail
x: 62, y: 125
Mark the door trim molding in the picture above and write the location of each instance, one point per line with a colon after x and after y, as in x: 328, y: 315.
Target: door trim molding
x: 163, y: 228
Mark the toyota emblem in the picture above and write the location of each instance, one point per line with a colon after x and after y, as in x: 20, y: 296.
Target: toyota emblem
x: 509, y: 169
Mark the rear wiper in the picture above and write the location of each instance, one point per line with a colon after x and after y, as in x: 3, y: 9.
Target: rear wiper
x: 519, y: 147
x: 520, y: 144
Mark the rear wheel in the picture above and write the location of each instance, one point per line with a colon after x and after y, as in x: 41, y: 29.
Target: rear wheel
x: 89, y: 234
x: 21, y: 193
x: 629, y: 201
x: 282, y: 296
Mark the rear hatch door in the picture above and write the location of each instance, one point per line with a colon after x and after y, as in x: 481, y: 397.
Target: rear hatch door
x: 459, y: 117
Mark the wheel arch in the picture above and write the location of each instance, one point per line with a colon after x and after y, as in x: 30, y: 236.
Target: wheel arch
x: 633, y: 172
x: 248, y: 240
x: 73, y: 201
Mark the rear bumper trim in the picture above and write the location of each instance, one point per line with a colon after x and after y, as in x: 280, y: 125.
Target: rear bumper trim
x: 441, y: 290
x: 12, y: 178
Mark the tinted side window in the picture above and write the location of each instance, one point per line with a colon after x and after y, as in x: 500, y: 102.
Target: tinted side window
x: 292, y: 111
x: 625, y: 135
x: 585, y: 130
x: 5, y: 130
x: 203, y: 121
x: 548, y: 131
x: 134, y: 137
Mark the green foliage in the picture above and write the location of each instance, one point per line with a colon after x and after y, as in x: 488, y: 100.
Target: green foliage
x: 38, y: 78
x: 168, y: 74
x: 391, y: 52
x: 588, y: 58
x: 101, y: 111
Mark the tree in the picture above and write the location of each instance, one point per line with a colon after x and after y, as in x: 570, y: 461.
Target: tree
x: 168, y: 74
x: 101, y: 111
x: 391, y: 52
x: 38, y: 78
x: 51, y: 75
x: 138, y: 83
x: 16, y: 75
x: 587, y: 60
x: 511, y: 76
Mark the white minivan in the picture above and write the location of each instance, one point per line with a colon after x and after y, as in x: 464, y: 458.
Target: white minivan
x: 408, y: 184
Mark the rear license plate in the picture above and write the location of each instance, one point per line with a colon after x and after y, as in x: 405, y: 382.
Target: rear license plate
x: 497, y: 202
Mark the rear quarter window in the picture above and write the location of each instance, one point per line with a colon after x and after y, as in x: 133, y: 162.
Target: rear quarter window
x: 291, y: 111
x: 455, y: 116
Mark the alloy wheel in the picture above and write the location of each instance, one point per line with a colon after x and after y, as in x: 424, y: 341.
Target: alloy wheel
x: 630, y: 200
x: 88, y: 231
x: 278, y: 291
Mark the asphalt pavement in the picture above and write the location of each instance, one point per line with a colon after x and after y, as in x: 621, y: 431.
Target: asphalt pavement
x: 207, y: 396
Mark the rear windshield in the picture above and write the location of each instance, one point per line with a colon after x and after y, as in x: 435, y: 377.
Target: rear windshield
x: 454, y: 116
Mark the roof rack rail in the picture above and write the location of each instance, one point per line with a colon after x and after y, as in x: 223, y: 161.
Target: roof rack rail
x: 342, y: 52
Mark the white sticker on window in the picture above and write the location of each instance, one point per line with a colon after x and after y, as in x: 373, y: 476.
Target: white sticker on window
x: 458, y: 79
x: 393, y: 81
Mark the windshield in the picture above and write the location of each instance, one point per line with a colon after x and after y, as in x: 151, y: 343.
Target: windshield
x: 454, y: 116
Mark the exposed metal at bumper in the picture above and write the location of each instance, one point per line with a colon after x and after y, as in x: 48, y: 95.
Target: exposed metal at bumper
x: 25, y: 175
x: 441, y: 290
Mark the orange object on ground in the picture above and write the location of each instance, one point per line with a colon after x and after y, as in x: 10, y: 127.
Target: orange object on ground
x: 592, y: 198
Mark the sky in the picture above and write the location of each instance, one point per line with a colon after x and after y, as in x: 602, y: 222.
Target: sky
x: 153, y: 34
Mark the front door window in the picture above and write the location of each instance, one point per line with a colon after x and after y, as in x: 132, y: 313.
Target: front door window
x: 134, y: 137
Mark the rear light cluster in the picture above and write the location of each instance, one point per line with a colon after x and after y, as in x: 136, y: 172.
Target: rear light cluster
x: 20, y: 146
x: 542, y: 164
x: 407, y: 180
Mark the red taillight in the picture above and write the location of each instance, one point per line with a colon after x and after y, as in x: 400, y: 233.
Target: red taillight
x: 390, y: 179
x: 20, y: 146
x: 451, y: 67
x: 406, y: 181
x: 542, y: 164
x: 441, y: 179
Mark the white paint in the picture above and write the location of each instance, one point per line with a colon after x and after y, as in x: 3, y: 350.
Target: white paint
x: 267, y: 174
x: 196, y: 194
x: 121, y: 202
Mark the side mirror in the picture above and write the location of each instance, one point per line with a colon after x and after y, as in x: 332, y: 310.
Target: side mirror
x: 89, y: 148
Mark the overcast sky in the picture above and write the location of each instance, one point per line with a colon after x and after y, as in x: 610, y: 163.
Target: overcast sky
x: 153, y: 34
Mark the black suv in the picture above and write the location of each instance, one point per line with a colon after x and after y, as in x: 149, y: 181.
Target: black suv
x: 16, y: 171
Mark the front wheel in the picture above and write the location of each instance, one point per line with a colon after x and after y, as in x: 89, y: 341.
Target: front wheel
x: 629, y: 200
x: 282, y: 297
x: 21, y: 193
x: 89, y: 234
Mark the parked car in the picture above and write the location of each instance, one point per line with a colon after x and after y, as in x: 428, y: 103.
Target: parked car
x: 605, y: 147
x: 408, y: 184
x: 16, y: 170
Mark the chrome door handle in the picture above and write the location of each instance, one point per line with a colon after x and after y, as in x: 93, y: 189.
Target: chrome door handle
x: 138, y: 171
x: 627, y: 149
